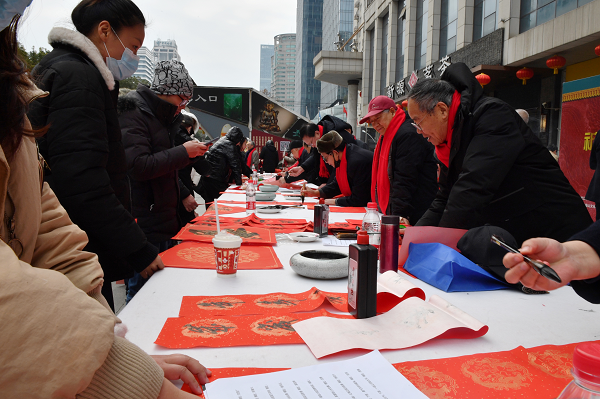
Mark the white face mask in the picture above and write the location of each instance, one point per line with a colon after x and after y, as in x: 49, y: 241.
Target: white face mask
x: 126, y: 66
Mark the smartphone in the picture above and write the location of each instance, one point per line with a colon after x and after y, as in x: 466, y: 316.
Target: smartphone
x: 211, y: 142
x: 543, y: 269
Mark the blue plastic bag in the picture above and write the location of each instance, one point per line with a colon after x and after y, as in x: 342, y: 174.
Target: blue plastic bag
x: 448, y: 270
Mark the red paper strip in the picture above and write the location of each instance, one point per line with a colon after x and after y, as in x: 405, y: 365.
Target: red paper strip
x: 341, y: 209
x: 224, y: 209
x: 226, y: 331
x: 275, y: 303
x: 249, y: 235
x: 195, y: 255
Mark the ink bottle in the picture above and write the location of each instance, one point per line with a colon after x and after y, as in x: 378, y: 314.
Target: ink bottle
x: 362, y: 278
x: 388, y: 249
x: 321, y: 220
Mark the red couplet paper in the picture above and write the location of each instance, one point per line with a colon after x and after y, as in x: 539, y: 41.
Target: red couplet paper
x: 249, y: 235
x: 226, y: 331
x: 274, y: 303
x: 196, y: 255
x: 341, y: 209
x: 224, y: 209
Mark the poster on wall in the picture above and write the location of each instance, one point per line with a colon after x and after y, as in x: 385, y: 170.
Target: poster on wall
x: 261, y: 138
x: 230, y: 103
x: 579, y: 124
x: 270, y: 117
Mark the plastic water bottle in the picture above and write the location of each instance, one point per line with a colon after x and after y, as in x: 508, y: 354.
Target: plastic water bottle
x: 250, y: 198
x: 372, y: 224
x: 586, y: 373
x: 254, y: 176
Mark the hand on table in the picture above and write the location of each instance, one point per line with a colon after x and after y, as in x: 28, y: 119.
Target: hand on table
x: 157, y: 264
x: 573, y: 260
x: 190, y: 203
x: 296, y: 171
x: 195, y: 149
x: 309, y: 192
x: 185, y: 368
x: 329, y: 201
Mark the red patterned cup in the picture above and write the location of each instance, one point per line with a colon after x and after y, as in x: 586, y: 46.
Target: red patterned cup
x: 227, y: 253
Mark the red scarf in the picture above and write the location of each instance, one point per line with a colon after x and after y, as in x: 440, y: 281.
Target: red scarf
x: 249, y: 159
x: 380, y: 181
x: 442, y: 151
x: 341, y: 175
x: 323, y: 172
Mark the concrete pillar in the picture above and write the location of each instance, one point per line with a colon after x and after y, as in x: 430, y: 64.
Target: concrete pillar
x: 352, y: 105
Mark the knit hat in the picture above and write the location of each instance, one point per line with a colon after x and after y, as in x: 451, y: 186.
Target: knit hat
x: 172, y: 79
x: 295, y: 144
x: 329, y: 142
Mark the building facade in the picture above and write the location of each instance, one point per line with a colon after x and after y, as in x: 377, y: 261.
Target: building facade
x: 266, y: 53
x: 338, y: 17
x: 420, y: 38
x: 309, y: 41
x: 165, y: 50
x: 283, y: 70
x: 146, y: 65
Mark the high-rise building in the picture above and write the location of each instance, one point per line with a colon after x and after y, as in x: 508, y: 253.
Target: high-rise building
x: 266, y: 52
x: 309, y: 38
x: 146, y: 65
x: 283, y: 68
x: 337, y: 29
x: 165, y: 50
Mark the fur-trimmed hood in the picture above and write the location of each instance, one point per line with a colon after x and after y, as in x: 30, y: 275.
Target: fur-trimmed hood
x: 85, y: 45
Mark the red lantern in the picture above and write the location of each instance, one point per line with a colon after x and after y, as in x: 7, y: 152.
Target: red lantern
x: 483, y: 79
x: 556, y: 62
x: 404, y: 104
x: 597, y: 50
x: 524, y: 74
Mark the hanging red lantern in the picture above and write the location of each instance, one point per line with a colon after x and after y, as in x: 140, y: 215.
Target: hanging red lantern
x: 404, y: 104
x: 524, y: 74
x: 483, y: 79
x: 556, y: 62
x: 597, y: 50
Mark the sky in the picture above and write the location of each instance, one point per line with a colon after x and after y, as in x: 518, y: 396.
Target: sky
x: 218, y: 40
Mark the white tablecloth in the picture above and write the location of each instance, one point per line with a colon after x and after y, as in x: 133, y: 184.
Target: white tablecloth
x: 514, y: 319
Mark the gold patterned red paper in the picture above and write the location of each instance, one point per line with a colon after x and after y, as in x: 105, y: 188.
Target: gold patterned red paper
x: 224, y: 209
x: 274, y: 303
x: 196, y: 255
x: 226, y: 331
x: 249, y: 235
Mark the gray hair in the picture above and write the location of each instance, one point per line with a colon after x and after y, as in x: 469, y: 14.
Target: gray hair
x: 428, y: 92
x: 251, y: 143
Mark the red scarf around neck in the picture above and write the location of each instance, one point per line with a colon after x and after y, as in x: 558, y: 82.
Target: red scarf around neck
x: 380, y: 181
x: 323, y: 171
x: 341, y: 175
x: 298, y: 160
x: 249, y: 159
x: 442, y: 151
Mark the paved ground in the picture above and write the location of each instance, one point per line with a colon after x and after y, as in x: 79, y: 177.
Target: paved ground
x: 119, y: 289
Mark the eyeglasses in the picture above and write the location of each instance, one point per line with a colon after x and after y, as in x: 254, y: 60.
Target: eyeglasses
x: 418, y: 125
x: 184, y: 101
x: 325, y: 156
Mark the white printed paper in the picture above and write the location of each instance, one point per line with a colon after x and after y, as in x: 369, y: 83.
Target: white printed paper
x: 368, y: 376
x: 334, y: 242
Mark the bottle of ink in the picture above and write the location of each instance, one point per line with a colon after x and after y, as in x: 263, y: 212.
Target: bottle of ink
x: 321, y: 221
x: 362, y: 278
x: 388, y: 249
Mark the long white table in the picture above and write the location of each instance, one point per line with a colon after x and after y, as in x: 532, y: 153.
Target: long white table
x: 514, y: 319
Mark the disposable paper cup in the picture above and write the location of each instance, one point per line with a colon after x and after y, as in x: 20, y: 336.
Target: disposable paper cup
x: 227, y: 252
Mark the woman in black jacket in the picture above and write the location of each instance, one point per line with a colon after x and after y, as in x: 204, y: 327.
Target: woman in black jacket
x: 270, y: 157
x: 83, y: 148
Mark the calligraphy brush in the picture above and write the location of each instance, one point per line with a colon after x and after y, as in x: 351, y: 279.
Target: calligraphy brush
x: 302, y: 193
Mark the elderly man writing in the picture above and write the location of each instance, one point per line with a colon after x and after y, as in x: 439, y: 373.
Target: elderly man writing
x: 352, y: 172
x: 492, y: 167
x: 403, y: 181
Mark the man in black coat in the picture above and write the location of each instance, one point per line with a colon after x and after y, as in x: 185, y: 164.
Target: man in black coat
x: 270, y: 157
x: 150, y: 119
x: 301, y: 152
x: 225, y: 159
x: 493, y: 169
x: 593, y: 191
x: 407, y: 177
x: 353, y: 166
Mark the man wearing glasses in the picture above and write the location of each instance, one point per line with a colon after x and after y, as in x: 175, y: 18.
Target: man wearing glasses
x: 149, y: 120
x: 493, y: 169
x: 352, y: 183
x: 404, y: 175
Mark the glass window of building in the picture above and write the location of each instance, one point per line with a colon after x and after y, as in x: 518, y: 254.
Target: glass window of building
x: 384, y: 53
x: 484, y: 20
x: 400, y: 32
x: 421, y: 36
x: 371, y: 57
x: 536, y: 12
x: 448, y: 21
